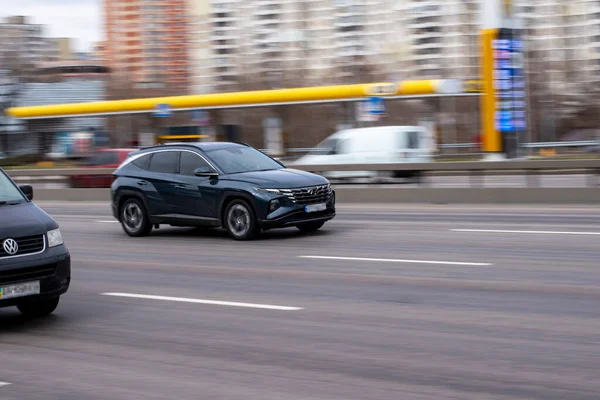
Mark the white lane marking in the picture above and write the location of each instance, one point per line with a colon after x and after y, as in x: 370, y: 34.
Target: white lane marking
x: 391, y: 260
x: 108, y: 222
x: 4, y: 384
x: 528, y: 232
x: 201, y: 301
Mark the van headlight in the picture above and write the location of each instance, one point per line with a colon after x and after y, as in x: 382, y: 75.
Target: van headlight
x: 55, y: 238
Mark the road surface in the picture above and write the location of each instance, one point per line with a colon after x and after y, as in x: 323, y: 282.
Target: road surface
x: 387, y: 302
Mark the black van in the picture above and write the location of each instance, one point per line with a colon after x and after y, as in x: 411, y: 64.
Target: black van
x: 35, y: 265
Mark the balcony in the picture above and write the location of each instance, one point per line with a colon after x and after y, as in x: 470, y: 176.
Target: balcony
x: 349, y: 21
x: 430, y: 47
x: 267, y: 3
x: 223, y: 35
x: 265, y: 11
x: 216, y: 18
x: 420, y: 23
x: 349, y: 43
x: 358, y: 33
x: 350, y: 53
x: 268, y: 22
x: 221, y: 61
x: 228, y: 46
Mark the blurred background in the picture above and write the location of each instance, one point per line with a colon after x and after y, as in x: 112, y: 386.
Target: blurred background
x: 145, y: 48
x: 455, y: 281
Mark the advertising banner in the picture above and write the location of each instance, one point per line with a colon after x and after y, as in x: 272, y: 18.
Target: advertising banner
x: 509, y: 86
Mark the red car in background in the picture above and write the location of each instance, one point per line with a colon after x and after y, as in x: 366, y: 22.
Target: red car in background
x: 105, y: 158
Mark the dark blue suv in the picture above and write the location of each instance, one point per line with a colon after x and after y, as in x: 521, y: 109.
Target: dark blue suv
x: 217, y: 184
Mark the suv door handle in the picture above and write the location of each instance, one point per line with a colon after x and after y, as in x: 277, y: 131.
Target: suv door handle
x: 180, y: 187
x: 142, y: 183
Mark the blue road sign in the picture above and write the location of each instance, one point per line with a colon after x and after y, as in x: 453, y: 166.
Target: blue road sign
x: 162, y: 110
x: 376, y: 106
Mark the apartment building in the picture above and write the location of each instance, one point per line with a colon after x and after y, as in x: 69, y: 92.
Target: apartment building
x: 282, y: 43
x: 8, y: 87
x: 565, y: 41
x: 291, y: 42
x: 147, y: 41
x: 227, y: 45
x: 441, y: 38
x: 22, y: 44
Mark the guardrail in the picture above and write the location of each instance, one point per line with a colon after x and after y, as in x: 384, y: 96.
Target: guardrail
x: 534, y: 145
x: 477, y: 193
x: 476, y: 170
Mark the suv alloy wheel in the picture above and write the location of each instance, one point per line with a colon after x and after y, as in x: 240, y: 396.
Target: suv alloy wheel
x: 240, y: 221
x: 134, y: 218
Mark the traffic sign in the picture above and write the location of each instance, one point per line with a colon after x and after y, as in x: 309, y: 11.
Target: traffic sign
x: 162, y: 110
x: 371, y: 109
x: 382, y: 89
x: 376, y: 106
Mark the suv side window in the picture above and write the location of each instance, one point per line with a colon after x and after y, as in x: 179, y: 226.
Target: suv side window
x: 190, y: 162
x: 165, y: 162
x: 143, y: 162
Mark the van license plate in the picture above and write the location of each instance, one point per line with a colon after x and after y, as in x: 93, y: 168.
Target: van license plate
x: 315, y: 207
x: 20, y: 290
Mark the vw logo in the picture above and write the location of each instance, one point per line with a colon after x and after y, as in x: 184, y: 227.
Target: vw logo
x: 10, y: 246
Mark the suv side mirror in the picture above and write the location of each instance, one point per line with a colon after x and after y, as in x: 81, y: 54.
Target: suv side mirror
x: 27, y: 191
x: 206, y: 171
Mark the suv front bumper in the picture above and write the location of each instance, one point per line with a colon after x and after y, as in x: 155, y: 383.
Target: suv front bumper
x: 297, y: 217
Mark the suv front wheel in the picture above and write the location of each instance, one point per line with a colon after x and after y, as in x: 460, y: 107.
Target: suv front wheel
x: 240, y: 221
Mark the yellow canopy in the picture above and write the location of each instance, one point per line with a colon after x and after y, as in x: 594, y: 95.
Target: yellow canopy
x: 242, y: 99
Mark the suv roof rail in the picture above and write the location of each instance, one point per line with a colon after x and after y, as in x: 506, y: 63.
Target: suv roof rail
x: 159, y: 145
x: 242, y: 143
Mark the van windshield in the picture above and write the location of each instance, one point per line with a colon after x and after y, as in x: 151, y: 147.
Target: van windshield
x: 327, y: 146
x: 9, y: 194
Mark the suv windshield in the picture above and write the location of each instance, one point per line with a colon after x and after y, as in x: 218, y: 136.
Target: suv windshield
x: 9, y: 194
x: 234, y: 160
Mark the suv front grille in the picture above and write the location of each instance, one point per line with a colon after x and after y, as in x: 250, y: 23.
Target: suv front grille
x: 26, y: 274
x: 309, y: 195
x: 27, y: 245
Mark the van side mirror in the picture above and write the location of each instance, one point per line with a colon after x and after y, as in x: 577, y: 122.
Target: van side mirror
x: 206, y: 171
x: 27, y: 191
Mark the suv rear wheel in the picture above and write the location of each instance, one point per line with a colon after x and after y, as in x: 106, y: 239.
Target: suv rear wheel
x: 134, y: 218
x: 240, y: 221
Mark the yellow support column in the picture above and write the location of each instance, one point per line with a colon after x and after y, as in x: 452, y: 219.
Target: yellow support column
x: 492, y: 13
x: 491, y: 137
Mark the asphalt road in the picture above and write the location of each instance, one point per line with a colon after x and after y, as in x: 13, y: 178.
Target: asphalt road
x: 397, y: 302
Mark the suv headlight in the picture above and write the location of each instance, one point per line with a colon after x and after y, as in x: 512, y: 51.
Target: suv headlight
x: 272, y: 191
x: 55, y: 238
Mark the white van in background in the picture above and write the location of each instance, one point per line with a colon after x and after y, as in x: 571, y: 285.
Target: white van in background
x: 381, y: 144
